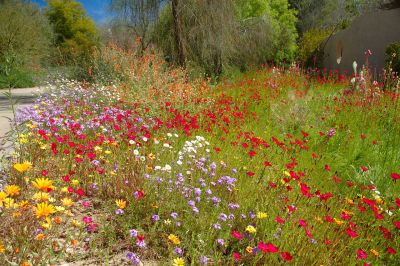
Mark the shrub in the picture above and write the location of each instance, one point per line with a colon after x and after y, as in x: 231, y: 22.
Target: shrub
x: 24, y: 42
x: 392, y: 57
x: 310, y: 44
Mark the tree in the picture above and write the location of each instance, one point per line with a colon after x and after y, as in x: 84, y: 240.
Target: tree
x: 75, y: 33
x: 136, y: 18
x: 25, y: 37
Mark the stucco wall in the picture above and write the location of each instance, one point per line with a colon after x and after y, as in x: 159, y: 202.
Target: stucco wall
x: 372, y: 31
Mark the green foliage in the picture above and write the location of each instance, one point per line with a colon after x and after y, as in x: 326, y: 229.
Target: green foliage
x: 282, y: 19
x: 310, y: 44
x: 75, y: 33
x: 25, y: 37
x: 392, y: 57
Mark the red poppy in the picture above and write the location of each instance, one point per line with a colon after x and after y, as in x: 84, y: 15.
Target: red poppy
x: 250, y: 173
x: 395, y: 176
x: 267, y: 164
x: 286, y: 256
x: 391, y: 250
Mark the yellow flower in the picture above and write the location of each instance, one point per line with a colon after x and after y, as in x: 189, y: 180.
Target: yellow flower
x: 151, y: 156
x: 75, y: 182
x: 261, y: 215
x: 43, y: 184
x: 44, y: 209
x: 2, y: 248
x: 74, y: 242
x: 167, y: 222
x: 108, y: 152
x: 174, y: 239
x: 41, y: 196
x: 249, y: 249
x: 338, y: 222
x: 3, y: 195
x: 178, y: 262
x: 23, y: 204
x: 12, y: 190
x: 40, y: 236
x: 25, y: 263
x: 251, y: 229
x: 8, y: 203
x: 374, y: 252
x: 60, y: 208
x: 64, y: 189
x: 318, y: 219
x: 349, y: 201
x: 47, y: 224
x: 22, y: 167
x: 67, y: 202
x: 121, y: 203
x: 76, y: 223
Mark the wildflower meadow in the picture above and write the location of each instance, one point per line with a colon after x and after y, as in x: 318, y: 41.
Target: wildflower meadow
x: 271, y: 167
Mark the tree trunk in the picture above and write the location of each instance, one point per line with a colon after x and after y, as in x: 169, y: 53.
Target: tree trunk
x: 178, y: 32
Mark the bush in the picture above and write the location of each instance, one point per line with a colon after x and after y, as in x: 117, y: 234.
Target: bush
x: 25, y: 37
x: 310, y: 45
x: 392, y: 57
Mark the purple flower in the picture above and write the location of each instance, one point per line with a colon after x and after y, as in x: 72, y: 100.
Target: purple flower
x: 220, y: 241
x: 331, y: 132
x: 174, y: 215
x: 203, y: 260
x: 155, y: 218
x: 119, y: 211
x: 178, y: 251
x: 217, y: 226
x: 191, y: 203
x: 133, y: 232
x: 233, y: 206
x: 197, y: 191
x: 216, y: 200
x: 213, y: 165
x: 133, y: 258
x: 141, y: 244
x: 223, y: 217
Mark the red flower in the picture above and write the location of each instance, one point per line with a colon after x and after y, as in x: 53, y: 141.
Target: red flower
x: 236, y: 235
x: 286, y: 256
x: 391, y: 250
x: 397, y: 224
x: 250, y: 173
x: 251, y: 153
x: 351, y: 233
x: 361, y: 254
x: 267, y: 164
x: 327, y: 167
x: 279, y: 220
x: 395, y: 176
x: 267, y: 247
x: 364, y: 169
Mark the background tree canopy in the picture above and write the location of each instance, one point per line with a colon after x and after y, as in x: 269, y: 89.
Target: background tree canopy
x: 75, y: 33
x: 25, y: 38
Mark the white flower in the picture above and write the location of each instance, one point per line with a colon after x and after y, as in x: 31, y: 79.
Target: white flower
x: 167, y: 167
x: 166, y: 145
x: 179, y: 162
x: 188, y: 172
x: 142, y: 158
x: 136, y: 152
x: 156, y: 141
x: 176, y: 135
x: 145, y: 139
x: 132, y: 142
x: 169, y: 135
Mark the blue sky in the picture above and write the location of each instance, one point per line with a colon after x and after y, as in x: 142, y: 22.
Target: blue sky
x: 97, y: 9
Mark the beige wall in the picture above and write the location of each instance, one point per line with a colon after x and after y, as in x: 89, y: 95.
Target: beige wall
x: 372, y: 31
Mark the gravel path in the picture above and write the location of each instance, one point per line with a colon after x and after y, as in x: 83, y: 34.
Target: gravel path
x: 24, y: 97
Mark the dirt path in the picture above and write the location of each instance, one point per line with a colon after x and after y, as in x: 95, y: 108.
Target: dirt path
x: 24, y: 97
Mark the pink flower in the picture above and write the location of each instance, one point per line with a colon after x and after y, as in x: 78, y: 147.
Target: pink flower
x: 267, y: 247
x: 395, y: 176
x: 351, y: 233
x: 361, y: 254
x: 391, y: 250
x: 85, y: 204
x: 87, y: 220
x: 236, y: 235
x: 236, y: 256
